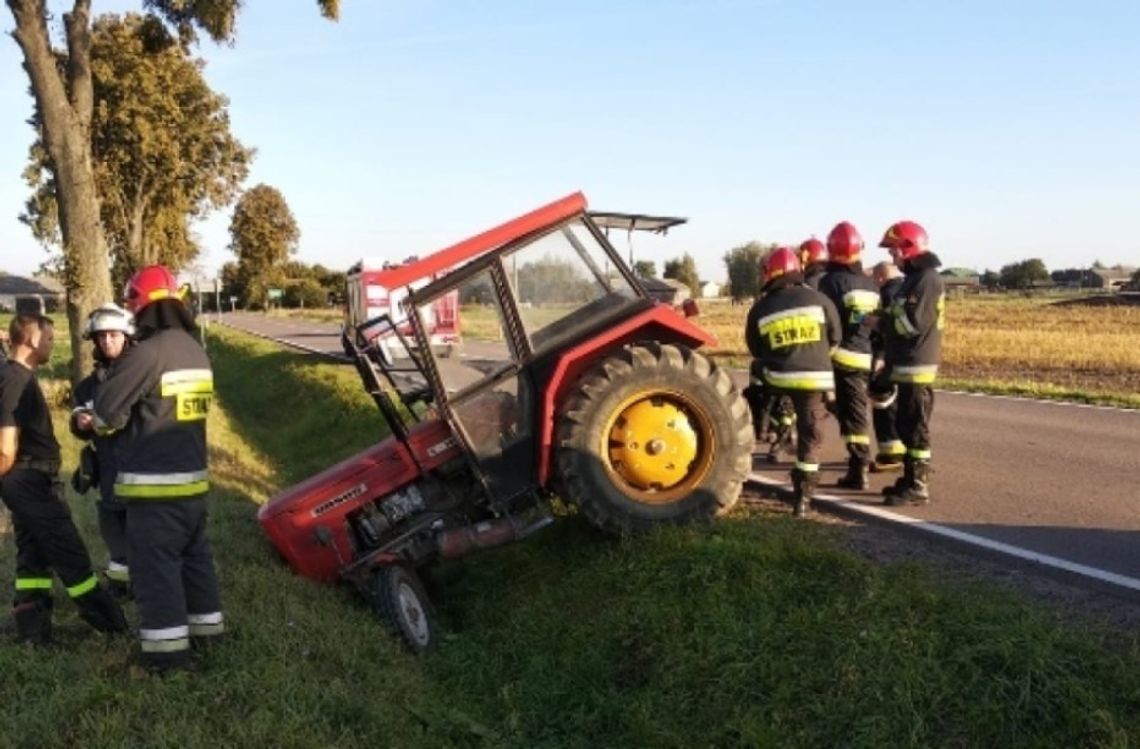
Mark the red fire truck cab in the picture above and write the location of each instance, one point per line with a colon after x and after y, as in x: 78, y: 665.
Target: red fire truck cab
x: 377, y: 287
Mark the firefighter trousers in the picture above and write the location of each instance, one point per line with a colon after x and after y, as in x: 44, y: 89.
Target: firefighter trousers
x: 810, y: 413
x: 916, y: 407
x: 173, y: 576
x: 852, y: 407
x: 113, y: 529
x: 46, y: 538
x: 47, y: 542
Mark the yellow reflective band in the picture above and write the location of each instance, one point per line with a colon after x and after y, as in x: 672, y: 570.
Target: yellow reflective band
x: 892, y: 448
x: 165, y: 646
x: 187, y: 381
x: 786, y: 421
x: 801, y: 380
x: 207, y: 630
x: 861, y: 300
x: 852, y: 359
x: 79, y: 589
x: 857, y: 439
x: 807, y: 467
x: 161, y: 491
x: 902, y: 323
x: 918, y: 454
x: 917, y: 375
x: 33, y: 583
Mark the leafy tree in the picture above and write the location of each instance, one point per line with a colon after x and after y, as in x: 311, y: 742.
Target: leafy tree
x: 306, y: 293
x: 63, y: 89
x: 552, y: 281
x: 162, y: 149
x: 263, y: 234
x: 684, y: 269
x: 990, y: 280
x: 1135, y: 282
x: 743, y: 266
x: 645, y: 269
x: 1023, y: 275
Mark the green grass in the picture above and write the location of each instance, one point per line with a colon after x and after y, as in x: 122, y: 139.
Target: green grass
x: 757, y: 631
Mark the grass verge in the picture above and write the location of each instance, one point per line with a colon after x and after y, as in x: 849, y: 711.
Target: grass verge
x: 757, y: 631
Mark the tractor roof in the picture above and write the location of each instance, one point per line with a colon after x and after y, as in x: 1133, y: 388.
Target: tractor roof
x: 635, y: 222
x: 481, y: 244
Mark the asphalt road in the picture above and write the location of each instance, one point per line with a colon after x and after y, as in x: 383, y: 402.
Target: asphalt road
x: 1040, y: 482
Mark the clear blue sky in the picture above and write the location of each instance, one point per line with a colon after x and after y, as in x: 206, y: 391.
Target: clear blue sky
x: 1011, y: 129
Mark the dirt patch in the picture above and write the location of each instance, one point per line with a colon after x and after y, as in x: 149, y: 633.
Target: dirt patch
x: 1105, y: 300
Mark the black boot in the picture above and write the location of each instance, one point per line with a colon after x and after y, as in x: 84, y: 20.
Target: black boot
x: 33, y: 622
x: 917, y: 492
x: 856, y: 477
x: 902, y: 482
x: 804, y: 484
x: 99, y: 609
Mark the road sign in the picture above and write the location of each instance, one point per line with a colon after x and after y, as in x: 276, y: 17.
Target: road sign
x: 275, y: 294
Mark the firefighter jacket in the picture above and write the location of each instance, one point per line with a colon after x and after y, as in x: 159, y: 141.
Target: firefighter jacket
x: 812, y: 275
x: 84, y: 398
x: 790, y: 333
x: 155, y: 398
x: 855, y: 297
x: 912, y: 324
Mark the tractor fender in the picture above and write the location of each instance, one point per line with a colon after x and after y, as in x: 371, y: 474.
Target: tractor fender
x: 659, y: 323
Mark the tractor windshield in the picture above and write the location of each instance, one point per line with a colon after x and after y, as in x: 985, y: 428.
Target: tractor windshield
x: 563, y: 281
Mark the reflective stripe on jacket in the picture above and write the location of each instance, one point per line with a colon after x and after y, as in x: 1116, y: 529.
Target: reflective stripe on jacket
x: 855, y: 297
x: 790, y: 333
x: 156, y: 397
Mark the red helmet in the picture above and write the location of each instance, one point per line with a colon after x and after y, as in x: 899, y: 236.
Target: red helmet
x: 780, y: 261
x: 148, y: 285
x: 812, y: 251
x: 908, y: 238
x: 844, y: 243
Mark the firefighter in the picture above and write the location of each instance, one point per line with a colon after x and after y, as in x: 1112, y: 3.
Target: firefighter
x: 884, y: 409
x: 790, y: 333
x: 111, y: 327
x: 912, y: 331
x: 856, y: 298
x: 46, y: 538
x: 155, y: 399
x: 813, y: 260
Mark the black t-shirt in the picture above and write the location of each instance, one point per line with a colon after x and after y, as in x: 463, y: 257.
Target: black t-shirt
x: 22, y: 405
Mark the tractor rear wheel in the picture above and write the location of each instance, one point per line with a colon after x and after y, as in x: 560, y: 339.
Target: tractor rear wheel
x: 399, y: 600
x: 653, y: 434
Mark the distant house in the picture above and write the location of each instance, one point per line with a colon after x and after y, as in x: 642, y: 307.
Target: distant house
x: 1111, y: 279
x: 667, y: 290
x: 710, y: 289
x: 15, y: 288
x: 960, y: 278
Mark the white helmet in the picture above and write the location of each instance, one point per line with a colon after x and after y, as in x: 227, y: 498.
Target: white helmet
x: 109, y: 317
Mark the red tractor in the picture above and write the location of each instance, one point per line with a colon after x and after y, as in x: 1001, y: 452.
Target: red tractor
x: 569, y: 381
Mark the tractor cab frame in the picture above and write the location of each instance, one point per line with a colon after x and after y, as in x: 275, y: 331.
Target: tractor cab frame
x: 569, y: 380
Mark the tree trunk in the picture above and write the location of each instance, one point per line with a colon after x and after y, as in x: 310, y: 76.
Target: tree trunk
x: 65, y: 109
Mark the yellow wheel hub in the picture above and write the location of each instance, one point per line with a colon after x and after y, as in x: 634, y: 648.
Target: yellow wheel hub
x: 655, y: 445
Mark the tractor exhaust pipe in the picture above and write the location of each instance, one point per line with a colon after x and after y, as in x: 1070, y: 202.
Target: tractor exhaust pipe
x: 458, y: 542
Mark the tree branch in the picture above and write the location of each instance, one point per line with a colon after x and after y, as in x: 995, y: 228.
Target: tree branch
x: 80, y: 88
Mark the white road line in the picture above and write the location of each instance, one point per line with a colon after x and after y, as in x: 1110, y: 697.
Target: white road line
x: 1027, y: 399
x: 937, y: 529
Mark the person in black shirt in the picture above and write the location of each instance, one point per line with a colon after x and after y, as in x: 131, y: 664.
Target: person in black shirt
x: 46, y: 537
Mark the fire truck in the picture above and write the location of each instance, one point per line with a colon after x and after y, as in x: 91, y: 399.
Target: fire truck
x: 378, y: 287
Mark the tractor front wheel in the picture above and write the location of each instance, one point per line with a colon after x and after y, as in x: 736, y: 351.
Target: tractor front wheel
x: 653, y: 434
x: 402, y: 605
